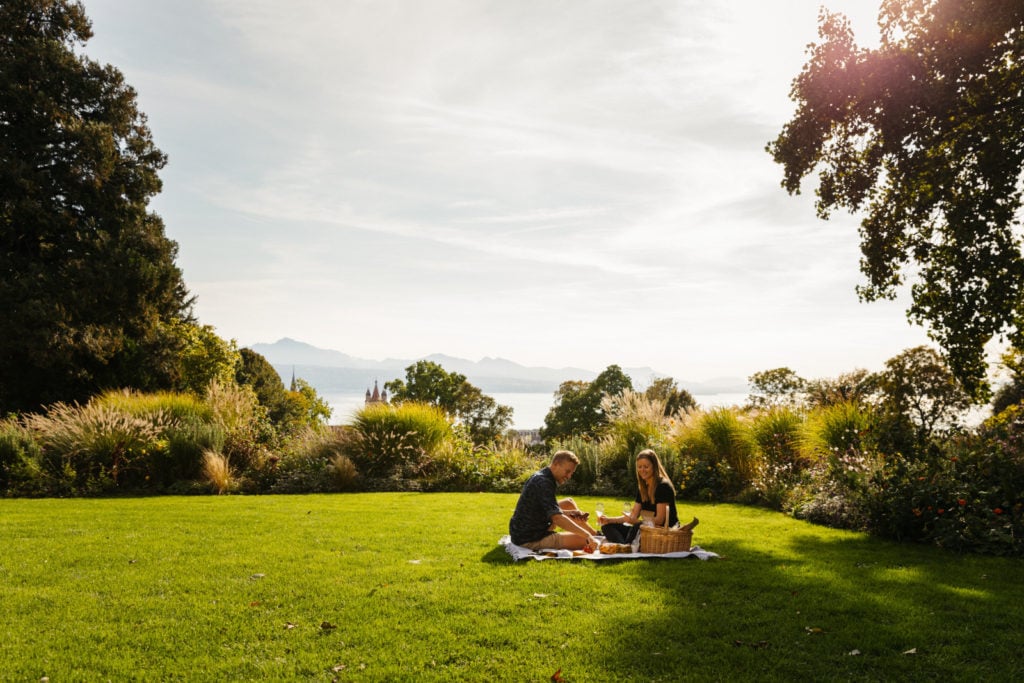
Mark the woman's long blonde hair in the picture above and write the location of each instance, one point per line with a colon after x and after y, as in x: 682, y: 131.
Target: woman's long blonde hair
x: 660, y: 475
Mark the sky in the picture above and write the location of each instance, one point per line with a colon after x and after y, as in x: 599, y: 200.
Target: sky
x: 575, y: 183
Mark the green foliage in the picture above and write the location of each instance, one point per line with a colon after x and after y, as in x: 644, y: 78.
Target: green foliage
x: 20, y: 460
x: 595, y: 461
x: 858, y: 386
x: 255, y: 371
x: 969, y: 499
x: 96, y: 448
x: 919, y: 388
x: 1012, y: 392
x: 204, y: 358
x: 777, y: 387
x: 312, y: 461
x: 925, y: 134
x: 675, y: 399
x: 458, y: 465
x: 778, y: 436
x: 577, y: 410
x: 718, y: 457
x: 397, y: 442
x: 90, y: 290
x: 428, y: 382
x: 304, y: 408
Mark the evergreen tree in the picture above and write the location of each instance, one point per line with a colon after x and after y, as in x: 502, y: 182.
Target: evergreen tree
x: 89, y: 291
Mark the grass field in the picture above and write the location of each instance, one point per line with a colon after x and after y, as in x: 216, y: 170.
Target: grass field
x: 414, y: 587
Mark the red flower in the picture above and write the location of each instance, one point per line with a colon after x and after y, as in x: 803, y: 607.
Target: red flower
x: 962, y: 502
x: 998, y: 511
x: 954, y: 459
x: 940, y: 511
x: 917, y: 512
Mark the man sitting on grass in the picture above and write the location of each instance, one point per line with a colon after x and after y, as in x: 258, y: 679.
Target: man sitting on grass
x: 538, y: 513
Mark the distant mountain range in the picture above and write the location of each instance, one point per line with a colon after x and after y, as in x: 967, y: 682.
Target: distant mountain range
x: 330, y: 371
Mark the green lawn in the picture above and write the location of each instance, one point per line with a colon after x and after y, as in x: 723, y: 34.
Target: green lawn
x: 415, y: 587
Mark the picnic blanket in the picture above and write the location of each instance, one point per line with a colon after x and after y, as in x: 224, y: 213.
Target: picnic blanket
x: 518, y: 552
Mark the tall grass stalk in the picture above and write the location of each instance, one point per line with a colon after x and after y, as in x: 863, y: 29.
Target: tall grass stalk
x: 217, y: 470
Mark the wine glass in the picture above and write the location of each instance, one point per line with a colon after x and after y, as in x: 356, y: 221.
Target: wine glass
x: 600, y: 511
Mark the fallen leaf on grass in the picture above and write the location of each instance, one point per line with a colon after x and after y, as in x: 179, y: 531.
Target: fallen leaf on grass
x: 254, y: 603
x: 540, y: 595
x: 337, y: 668
x: 327, y: 626
x: 557, y: 676
x: 257, y: 576
x: 814, y: 629
x: 415, y: 561
x: 288, y: 625
x: 911, y: 651
x: 853, y: 653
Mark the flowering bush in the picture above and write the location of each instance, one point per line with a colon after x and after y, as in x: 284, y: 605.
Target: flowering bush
x: 969, y: 498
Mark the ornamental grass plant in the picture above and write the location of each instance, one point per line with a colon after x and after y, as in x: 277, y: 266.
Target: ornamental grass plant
x: 300, y: 588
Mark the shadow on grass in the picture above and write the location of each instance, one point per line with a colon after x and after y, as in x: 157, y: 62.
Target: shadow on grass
x: 497, y: 555
x: 855, y: 608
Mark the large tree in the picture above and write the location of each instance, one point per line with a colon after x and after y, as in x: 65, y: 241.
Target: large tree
x: 89, y: 291
x: 577, y: 410
x: 925, y: 135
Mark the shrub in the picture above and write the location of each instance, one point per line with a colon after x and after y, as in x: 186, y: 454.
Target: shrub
x: 217, y: 470
x: 175, y: 408
x: 840, y: 487
x: 312, y: 461
x: 186, y: 444
x: 20, y: 458
x: 782, y: 464
x: 96, y: 447
x: 458, y: 465
x: 396, y: 442
x: 247, y: 430
x: 717, y: 455
x: 971, y: 499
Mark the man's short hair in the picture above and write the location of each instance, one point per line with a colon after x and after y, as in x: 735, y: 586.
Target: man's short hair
x: 565, y: 456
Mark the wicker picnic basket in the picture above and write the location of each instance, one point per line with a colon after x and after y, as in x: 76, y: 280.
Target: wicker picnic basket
x: 659, y: 540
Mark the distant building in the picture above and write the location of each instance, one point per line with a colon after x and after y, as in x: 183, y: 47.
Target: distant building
x: 377, y: 396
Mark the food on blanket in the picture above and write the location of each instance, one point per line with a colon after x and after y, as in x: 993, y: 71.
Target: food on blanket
x: 614, y: 548
x: 577, y: 553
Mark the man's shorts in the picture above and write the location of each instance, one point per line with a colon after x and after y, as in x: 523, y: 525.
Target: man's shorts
x: 552, y: 541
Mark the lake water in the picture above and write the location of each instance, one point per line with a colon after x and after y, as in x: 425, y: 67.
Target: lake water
x: 529, y: 409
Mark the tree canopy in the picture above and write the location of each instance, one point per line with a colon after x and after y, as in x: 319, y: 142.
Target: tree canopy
x: 577, y: 410
x: 925, y: 135
x: 89, y: 291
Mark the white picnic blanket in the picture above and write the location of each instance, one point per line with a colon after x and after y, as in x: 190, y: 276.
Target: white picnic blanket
x: 518, y: 552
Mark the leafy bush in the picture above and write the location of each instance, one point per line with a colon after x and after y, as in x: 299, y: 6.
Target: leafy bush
x: 20, y: 458
x: 970, y: 499
x: 458, y: 465
x: 840, y: 486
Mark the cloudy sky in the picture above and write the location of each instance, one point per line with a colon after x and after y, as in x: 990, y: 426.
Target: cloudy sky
x: 556, y: 183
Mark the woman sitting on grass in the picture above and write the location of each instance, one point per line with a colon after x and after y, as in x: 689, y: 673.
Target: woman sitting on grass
x: 655, y: 500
